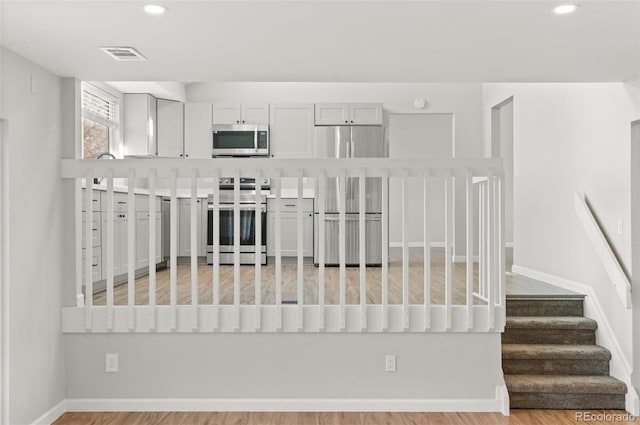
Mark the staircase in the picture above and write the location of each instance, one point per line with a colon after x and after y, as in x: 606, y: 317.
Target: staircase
x: 550, y: 358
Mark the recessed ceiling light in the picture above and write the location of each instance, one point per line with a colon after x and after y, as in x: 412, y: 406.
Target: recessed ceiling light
x: 155, y: 9
x: 565, y: 9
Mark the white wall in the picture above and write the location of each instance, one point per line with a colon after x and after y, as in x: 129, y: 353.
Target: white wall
x: 427, y: 136
x: 463, y: 100
x: 33, y: 146
x: 284, y: 366
x: 568, y: 138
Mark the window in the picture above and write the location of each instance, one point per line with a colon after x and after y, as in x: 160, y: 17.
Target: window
x: 99, y: 121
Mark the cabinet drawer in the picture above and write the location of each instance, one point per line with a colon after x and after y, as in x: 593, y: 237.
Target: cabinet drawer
x: 95, y: 200
x: 96, y: 265
x: 290, y: 205
x: 96, y: 233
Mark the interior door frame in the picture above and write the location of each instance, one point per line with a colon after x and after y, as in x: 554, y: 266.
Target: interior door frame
x: 4, y: 274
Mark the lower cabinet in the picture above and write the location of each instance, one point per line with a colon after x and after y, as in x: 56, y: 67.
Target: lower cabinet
x: 289, y: 227
x: 184, y: 227
x: 120, y: 239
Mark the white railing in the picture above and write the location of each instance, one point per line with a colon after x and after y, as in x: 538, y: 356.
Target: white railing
x: 599, y: 242
x: 481, y: 307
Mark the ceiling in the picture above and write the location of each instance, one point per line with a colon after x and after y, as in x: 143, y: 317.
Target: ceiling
x: 299, y: 40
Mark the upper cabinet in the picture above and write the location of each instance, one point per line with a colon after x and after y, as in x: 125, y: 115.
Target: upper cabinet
x: 197, y: 130
x: 234, y: 113
x: 139, y: 124
x: 291, y: 130
x: 348, y: 113
x: 170, y: 125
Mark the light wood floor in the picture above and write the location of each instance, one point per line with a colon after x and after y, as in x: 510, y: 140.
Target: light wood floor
x: 518, y: 417
x: 311, y: 287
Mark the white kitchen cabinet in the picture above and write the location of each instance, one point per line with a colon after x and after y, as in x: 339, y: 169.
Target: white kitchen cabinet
x: 184, y: 227
x: 96, y: 264
x: 234, y: 113
x: 291, y: 130
x: 197, y: 130
x: 142, y: 239
x: 289, y: 227
x: 348, y: 113
x: 120, y: 243
x: 170, y: 128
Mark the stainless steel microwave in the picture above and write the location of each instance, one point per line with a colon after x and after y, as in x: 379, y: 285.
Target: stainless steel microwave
x: 240, y: 140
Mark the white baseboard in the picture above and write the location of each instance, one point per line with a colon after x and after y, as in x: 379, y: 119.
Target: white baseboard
x: 416, y: 244
x: 502, y: 395
x: 620, y: 366
x: 285, y: 405
x: 52, y: 414
x: 463, y: 258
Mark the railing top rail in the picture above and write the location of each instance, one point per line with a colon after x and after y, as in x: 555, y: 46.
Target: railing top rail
x: 393, y: 167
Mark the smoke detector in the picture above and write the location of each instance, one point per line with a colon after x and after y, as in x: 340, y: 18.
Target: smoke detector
x: 123, y: 53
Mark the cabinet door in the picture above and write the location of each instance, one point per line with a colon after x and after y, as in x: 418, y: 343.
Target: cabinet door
x: 142, y: 239
x: 170, y: 125
x: 331, y: 113
x: 184, y: 227
x: 120, y: 243
x: 96, y: 230
x: 289, y: 238
x: 255, y: 113
x: 96, y: 265
x: 365, y: 113
x: 197, y: 130
x: 226, y: 113
x: 291, y: 130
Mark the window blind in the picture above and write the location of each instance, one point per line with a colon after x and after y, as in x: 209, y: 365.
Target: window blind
x: 99, y: 107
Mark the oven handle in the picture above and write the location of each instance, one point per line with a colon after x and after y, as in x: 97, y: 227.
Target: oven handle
x: 244, y: 207
x: 255, y: 139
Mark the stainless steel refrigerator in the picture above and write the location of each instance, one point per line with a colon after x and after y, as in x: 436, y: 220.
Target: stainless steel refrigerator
x: 350, y: 142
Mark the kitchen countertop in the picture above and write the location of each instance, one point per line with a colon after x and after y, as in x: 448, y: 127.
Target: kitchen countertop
x: 287, y: 193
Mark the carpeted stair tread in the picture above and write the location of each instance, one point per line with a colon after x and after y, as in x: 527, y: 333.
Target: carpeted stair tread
x: 551, y: 322
x: 564, y: 384
x: 554, y: 351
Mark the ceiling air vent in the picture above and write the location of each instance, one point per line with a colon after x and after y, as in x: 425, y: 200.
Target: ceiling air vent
x: 123, y: 53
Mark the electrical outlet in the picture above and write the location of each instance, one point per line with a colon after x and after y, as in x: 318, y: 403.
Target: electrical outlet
x: 619, y: 226
x: 111, y: 362
x: 389, y: 363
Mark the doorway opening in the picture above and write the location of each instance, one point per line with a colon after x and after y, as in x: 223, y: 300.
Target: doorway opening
x: 502, y: 147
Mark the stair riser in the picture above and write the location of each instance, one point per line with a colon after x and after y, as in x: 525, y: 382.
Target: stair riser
x: 555, y: 367
x: 548, y: 336
x: 518, y: 307
x: 566, y: 401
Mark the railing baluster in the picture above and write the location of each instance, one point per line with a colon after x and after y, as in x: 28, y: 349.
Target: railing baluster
x: 152, y: 246
x: 88, y: 288
x: 110, y: 248
x: 194, y: 246
x: 362, y: 249
x: 322, y: 187
x: 236, y: 247
x: 491, y: 284
x: 173, y: 250
x: 427, y: 249
x: 482, y: 237
x: 501, y: 242
x: 342, y: 245
x: 405, y: 249
x: 131, y: 247
x: 469, y: 247
x: 385, y: 250
x: 77, y: 208
x: 448, y: 240
x: 278, y: 274
x: 300, y: 241
x: 216, y: 248
x: 258, y: 249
